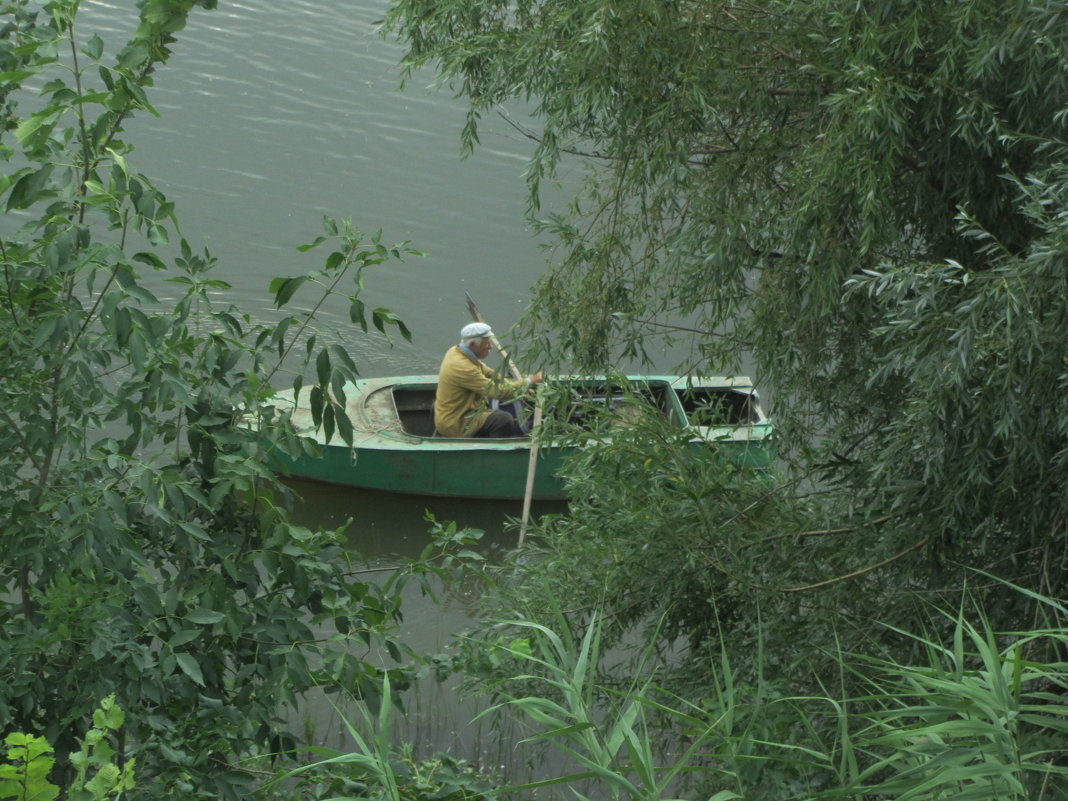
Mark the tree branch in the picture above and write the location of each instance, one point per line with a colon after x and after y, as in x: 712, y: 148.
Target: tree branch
x: 821, y: 532
x: 860, y: 572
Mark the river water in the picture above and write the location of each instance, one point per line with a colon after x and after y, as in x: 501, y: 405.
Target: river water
x: 274, y: 115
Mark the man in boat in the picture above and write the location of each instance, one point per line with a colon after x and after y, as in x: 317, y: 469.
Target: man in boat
x: 466, y: 383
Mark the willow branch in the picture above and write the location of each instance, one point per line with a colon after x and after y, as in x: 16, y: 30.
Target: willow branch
x: 820, y: 532
x: 9, y: 296
x: 860, y: 572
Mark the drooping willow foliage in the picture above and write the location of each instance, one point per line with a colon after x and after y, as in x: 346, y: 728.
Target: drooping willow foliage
x: 866, y: 201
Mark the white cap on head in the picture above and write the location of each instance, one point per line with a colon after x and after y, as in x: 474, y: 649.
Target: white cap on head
x: 472, y: 330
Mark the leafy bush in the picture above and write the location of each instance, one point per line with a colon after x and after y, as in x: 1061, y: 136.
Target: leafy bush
x: 146, y: 548
x: 25, y: 775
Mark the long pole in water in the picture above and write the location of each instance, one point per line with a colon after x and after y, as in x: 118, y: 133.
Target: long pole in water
x: 532, y: 466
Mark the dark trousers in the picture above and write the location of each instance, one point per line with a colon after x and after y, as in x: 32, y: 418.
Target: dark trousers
x: 498, y: 424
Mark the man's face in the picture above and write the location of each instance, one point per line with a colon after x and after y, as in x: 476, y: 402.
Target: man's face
x: 482, y: 349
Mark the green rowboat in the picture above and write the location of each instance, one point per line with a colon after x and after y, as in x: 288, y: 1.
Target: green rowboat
x: 395, y: 448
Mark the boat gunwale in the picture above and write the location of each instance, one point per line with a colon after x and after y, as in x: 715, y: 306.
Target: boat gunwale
x: 370, y: 434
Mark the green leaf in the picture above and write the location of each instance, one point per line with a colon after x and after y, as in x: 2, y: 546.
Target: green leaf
x: 382, y: 317
x: 120, y: 162
x: 190, y: 666
x: 30, y: 126
x: 29, y: 188
x: 185, y: 636
x: 110, y: 715
x: 151, y: 259
x: 205, y: 616
x: 328, y: 422
x: 357, y: 313
x: 344, y: 426
x: 95, y: 47
x: 285, y: 288
x: 157, y: 234
x: 315, y: 399
x: 341, y: 355
x: 15, y: 77
x: 318, y: 241
x: 522, y: 647
x: 122, y: 325
x: 334, y: 261
x: 323, y: 368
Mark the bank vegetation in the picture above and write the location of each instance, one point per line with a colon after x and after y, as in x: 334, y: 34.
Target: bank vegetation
x: 864, y: 202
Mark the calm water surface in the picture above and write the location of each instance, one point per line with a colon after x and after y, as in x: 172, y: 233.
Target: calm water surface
x: 274, y: 115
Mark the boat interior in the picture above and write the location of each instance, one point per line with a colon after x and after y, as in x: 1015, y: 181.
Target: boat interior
x: 588, y: 404
x: 589, y: 400
x: 415, y: 408
x: 719, y: 406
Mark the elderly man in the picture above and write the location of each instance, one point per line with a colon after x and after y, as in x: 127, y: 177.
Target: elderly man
x: 464, y: 385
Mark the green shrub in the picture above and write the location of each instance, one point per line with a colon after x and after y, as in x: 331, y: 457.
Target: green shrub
x: 25, y: 776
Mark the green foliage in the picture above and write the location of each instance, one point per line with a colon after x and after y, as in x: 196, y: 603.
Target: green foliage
x: 978, y: 714
x: 605, y: 737
x: 664, y: 534
x: 759, y: 613
x: 146, y: 549
x: 377, y: 769
x: 984, y: 718
x: 864, y: 200
x: 391, y: 777
x: 26, y: 777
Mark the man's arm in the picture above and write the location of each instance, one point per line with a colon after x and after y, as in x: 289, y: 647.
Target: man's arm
x: 506, y: 389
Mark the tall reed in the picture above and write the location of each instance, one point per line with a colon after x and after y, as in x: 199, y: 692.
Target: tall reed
x: 985, y: 718
x: 605, y: 735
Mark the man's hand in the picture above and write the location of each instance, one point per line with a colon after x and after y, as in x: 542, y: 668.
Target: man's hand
x: 532, y: 382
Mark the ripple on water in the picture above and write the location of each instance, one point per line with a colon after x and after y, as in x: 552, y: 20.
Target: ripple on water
x: 274, y: 115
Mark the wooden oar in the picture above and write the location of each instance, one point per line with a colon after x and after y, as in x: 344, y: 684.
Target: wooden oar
x: 477, y: 315
x: 532, y: 467
x: 533, y: 463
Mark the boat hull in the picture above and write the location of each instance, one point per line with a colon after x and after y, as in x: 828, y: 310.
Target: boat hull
x: 491, y: 473
x: 386, y: 455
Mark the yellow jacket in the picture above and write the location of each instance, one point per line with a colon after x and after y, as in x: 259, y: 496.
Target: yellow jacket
x: 464, y: 384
